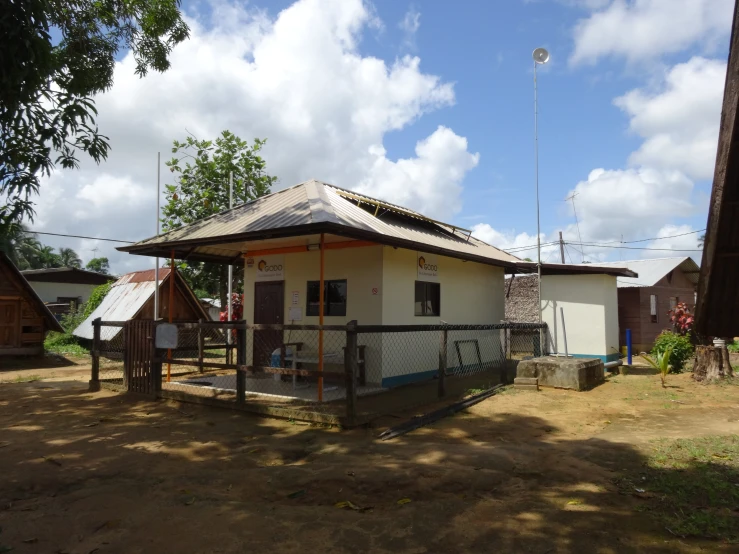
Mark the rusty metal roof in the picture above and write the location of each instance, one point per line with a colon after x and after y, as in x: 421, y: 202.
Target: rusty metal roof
x: 124, y: 300
x: 315, y: 207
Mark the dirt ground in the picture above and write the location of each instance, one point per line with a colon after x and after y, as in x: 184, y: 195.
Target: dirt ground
x: 520, y: 472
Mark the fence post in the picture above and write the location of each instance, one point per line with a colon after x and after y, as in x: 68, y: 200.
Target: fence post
x: 241, y: 362
x: 156, y: 365
x: 351, y: 368
x: 95, y: 373
x: 442, y: 363
x: 201, y: 344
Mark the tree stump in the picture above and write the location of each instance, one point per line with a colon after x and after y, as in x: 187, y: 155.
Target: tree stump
x: 711, y: 364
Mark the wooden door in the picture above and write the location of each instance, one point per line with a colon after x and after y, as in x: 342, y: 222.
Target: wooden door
x: 9, y: 323
x: 269, y: 308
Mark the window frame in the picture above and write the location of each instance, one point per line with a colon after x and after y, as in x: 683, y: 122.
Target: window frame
x: 425, y: 300
x: 654, y: 308
x: 326, y: 300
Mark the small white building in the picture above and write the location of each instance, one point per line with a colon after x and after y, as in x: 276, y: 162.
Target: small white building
x: 380, y: 264
x: 65, y: 285
x: 588, y: 303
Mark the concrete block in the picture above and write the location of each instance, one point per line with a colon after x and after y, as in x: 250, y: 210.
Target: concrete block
x: 565, y: 373
x: 526, y: 387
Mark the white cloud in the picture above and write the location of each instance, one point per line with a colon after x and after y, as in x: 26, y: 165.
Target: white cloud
x: 640, y: 30
x: 521, y: 245
x: 298, y: 80
x: 630, y: 201
x: 680, y: 121
x: 431, y: 182
x: 682, y: 240
x: 410, y: 24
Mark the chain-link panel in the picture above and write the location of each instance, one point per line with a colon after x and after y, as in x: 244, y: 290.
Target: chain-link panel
x: 283, y: 365
x: 111, y: 351
x: 198, y: 366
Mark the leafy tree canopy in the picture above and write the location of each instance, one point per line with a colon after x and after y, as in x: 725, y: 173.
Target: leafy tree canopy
x: 201, y: 189
x: 99, y: 265
x: 47, y: 81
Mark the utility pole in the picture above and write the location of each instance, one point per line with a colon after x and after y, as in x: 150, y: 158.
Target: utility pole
x: 561, y: 247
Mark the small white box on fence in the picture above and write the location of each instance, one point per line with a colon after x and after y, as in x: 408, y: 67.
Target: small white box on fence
x: 166, y: 336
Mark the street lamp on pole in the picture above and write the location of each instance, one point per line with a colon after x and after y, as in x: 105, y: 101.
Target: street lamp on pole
x: 541, y: 56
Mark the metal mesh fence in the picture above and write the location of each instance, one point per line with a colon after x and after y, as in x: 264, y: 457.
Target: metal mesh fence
x: 279, y: 366
x: 111, y: 351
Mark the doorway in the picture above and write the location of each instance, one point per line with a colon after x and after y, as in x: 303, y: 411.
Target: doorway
x: 9, y: 323
x: 269, y: 308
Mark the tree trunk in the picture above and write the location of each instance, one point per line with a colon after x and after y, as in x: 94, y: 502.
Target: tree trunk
x: 711, y: 364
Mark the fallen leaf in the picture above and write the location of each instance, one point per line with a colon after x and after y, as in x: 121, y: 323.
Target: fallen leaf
x: 31, y: 541
x: 296, y: 494
x: 574, y: 502
x: 52, y: 461
x: 253, y: 450
x: 93, y: 424
x: 350, y: 473
x: 190, y: 501
x: 403, y: 501
x: 349, y: 504
x: 720, y: 456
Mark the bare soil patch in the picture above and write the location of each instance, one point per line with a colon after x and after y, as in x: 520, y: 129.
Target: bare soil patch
x: 520, y: 472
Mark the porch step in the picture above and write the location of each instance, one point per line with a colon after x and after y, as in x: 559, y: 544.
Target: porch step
x: 526, y: 383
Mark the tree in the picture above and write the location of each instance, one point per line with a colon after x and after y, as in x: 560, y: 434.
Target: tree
x: 202, y: 169
x: 46, y: 258
x: 99, y: 265
x: 47, y: 82
x: 21, y: 246
x: 69, y: 258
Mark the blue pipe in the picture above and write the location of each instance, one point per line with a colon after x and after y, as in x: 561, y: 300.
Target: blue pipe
x: 628, y: 345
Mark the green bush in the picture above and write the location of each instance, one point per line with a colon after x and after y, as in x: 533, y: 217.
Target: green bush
x: 733, y: 347
x: 681, y: 347
x: 66, y: 342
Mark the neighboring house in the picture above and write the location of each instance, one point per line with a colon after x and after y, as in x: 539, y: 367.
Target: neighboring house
x: 718, y: 293
x: 587, y: 301
x: 132, y: 297
x: 644, y: 301
x: 381, y: 264
x: 24, y: 319
x: 213, y: 306
x: 62, y: 287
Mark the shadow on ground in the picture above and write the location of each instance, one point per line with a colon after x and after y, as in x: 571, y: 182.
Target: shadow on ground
x: 84, y: 471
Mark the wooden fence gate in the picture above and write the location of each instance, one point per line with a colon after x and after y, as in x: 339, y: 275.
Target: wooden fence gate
x: 142, y: 372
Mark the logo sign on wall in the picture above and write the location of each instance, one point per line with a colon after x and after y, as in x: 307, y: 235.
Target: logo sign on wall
x: 270, y: 268
x: 428, y: 266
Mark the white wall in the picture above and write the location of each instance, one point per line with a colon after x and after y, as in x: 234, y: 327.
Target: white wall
x: 590, y: 304
x: 470, y: 293
x: 49, y: 292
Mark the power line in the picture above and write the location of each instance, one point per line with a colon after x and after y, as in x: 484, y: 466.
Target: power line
x: 604, y: 244
x: 643, y: 248
x: 77, y: 236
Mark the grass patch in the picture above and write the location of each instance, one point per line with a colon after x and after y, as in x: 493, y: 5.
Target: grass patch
x: 65, y: 344
x: 24, y: 379
x: 692, y: 486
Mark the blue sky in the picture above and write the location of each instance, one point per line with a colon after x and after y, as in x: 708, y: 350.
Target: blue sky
x: 430, y: 104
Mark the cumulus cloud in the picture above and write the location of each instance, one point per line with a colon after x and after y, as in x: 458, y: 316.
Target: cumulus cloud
x: 639, y: 30
x: 680, y: 121
x: 299, y: 80
x: 681, y: 240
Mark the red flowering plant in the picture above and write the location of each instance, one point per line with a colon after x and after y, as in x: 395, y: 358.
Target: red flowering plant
x: 237, y: 311
x: 681, y: 318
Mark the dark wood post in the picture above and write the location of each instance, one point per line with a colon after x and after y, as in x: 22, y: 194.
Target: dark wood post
x: 351, y: 368
x: 241, y: 362
x: 95, y: 373
x: 442, y: 363
x: 201, y: 344
x: 156, y: 365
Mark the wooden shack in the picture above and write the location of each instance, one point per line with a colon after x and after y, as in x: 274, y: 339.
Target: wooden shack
x: 24, y: 319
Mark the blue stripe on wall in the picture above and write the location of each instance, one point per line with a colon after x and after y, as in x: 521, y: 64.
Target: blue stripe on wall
x: 605, y: 358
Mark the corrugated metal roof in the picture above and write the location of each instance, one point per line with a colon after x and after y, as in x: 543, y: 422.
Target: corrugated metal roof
x: 652, y: 270
x: 309, y: 204
x: 124, y: 300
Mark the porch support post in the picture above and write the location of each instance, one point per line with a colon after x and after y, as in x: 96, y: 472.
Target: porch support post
x: 351, y: 370
x: 321, y: 300
x: 95, y: 373
x: 172, y: 272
